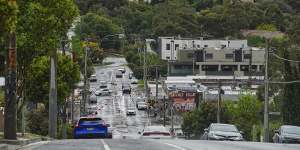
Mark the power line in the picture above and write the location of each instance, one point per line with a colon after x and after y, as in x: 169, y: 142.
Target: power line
x: 296, y: 61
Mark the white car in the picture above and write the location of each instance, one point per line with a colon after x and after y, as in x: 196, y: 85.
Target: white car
x: 123, y: 70
x: 131, y: 111
x: 141, y: 105
x: 155, y: 132
x: 134, y: 81
x: 103, y: 92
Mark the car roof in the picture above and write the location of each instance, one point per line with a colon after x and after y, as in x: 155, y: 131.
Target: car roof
x: 289, y: 126
x: 90, y: 117
x: 156, y: 128
x: 221, y: 124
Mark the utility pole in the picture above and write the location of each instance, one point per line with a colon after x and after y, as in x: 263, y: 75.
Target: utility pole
x: 53, y: 96
x: 145, y: 73
x: 219, y: 103
x: 172, y: 119
x: 85, y: 81
x: 10, y: 115
x: 193, y: 65
x: 168, y: 69
x: 266, y: 102
x: 164, y: 109
x: 156, y: 82
x: 72, y: 106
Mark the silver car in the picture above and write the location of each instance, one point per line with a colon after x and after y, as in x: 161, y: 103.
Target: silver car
x: 222, y: 132
x: 287, y: 134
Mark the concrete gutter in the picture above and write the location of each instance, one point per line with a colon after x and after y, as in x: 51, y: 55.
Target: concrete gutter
x: 20, y: 142
x: 3, y: 147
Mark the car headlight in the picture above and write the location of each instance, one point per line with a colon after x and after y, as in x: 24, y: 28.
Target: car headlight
x: 214, y: 136
x: 239, y: 138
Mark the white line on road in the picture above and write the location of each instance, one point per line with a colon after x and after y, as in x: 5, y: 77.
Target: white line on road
x: 106, y: 147
x: 175, y: 146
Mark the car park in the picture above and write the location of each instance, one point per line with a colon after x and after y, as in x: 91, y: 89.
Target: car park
x: 222, y: 132
x: 287, y: 134
x: 155, y: 132
x: 91, y: 127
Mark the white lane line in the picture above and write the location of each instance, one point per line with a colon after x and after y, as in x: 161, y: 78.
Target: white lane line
x: 175, y: 146
x: 106, y: 147
x: 33, y: 145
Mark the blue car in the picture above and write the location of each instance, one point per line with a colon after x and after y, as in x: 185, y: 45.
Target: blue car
x: 91, y: 127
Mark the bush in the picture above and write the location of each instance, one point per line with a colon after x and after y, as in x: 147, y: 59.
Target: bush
x: 37, y: 122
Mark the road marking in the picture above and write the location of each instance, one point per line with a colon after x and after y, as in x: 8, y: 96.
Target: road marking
x: 106, y: 147
x: 33, y: 145
x: 175, y: 146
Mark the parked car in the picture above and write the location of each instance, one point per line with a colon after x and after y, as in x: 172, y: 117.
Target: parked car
x: 131, y: 111
x: 155, y: 132
x: 88, y: 127
x: 178, y: 132
x: 222, y: 132
x: 141, y: 105
x: 287, y: 134
x: 93, y: 99
x: 134, y: 81
x: 130, y: 76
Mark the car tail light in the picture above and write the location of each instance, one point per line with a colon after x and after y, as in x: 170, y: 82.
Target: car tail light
x: 166, y: 134
x: 146, y: 134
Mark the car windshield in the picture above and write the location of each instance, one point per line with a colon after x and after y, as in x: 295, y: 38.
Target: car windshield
x: 291, y: 130
x: 224, y: 128
x: 90, y: 121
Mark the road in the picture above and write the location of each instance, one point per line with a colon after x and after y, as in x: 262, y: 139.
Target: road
x: 125, y: 128
x: 133, y: 144
x: 113, y: 108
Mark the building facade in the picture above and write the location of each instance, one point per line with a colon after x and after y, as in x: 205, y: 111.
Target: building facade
x: 211, y: 57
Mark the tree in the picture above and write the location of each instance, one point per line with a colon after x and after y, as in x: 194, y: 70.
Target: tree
x: 38, y: 79
x: 245, y: 113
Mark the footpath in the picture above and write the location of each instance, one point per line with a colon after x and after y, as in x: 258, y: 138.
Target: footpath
x: 20, y: 141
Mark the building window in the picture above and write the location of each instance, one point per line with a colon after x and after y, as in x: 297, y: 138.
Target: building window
x: 229, y: 56
x: 168, y: 57
x: 229, y: 67
x: 247, y: 56
x: 176, y: 46
x: 244, y: 67
x: 209, y: 56
x: 190, y: 55
x: 168, y: 47
x: 177, y: 66
x: 210, y: 67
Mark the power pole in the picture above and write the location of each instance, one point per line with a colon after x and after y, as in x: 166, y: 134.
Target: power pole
x: 53, y: 96
x: 84, y: 96
x: 156, y: 82
x: 145, y: 73
x: 10, y: 115
x: 193, y: 65
x: 172, y: 119
x: 266, y: 102
x: 219, y: 103
x: 164, y: 109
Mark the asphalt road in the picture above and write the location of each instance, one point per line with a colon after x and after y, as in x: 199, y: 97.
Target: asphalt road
x: 113, y: 110
x: 132, y: 144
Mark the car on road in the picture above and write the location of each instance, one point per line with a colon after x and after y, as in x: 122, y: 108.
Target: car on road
x: 93, y: 99
x: 103, y: 92
x: 134, y: 81
x: 141, y: 105
x: 119, y: 74
x: 222, y: 132
x: 126, y: 89
x: 287, y: 134
x: 130, y: 111
x: 91, y: 127
x: 155, y: 132
x: 123, y: 70
x: 93, y: 78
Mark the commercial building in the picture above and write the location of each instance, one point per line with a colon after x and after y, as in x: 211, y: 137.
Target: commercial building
x: 211, y: 57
